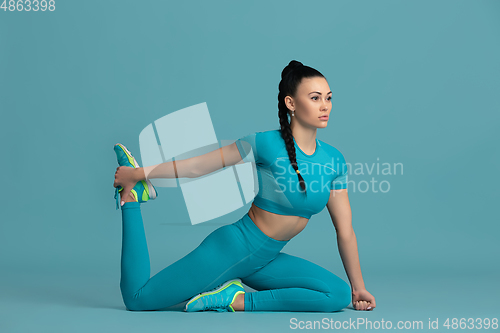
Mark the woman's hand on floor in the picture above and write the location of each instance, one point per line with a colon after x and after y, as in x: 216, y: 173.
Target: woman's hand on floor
x: 363, y: 300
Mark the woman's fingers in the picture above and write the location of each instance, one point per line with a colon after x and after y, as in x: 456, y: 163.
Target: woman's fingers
x: 362, y: 305
x: 116, y: 184
x: 124, y: 177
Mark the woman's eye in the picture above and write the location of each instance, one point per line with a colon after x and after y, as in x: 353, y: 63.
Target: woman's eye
x: 316, y: 97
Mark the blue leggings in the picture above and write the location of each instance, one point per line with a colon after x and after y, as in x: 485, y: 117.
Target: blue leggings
x: 238, y: 250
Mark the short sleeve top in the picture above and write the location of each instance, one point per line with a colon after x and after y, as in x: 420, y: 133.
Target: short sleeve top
x: 279, y: 188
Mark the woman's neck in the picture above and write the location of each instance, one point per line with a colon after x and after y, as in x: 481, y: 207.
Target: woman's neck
x: 304, y: 137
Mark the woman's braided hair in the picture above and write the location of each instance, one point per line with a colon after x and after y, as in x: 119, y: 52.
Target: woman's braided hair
x: 291, y: 77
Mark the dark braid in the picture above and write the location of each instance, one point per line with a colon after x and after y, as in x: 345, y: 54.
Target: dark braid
x: 291, y: 76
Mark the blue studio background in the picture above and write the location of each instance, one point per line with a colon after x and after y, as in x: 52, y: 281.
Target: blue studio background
x: 414, y: 82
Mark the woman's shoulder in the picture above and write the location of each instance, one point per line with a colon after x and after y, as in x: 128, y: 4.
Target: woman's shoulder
x: 269, y: 135
x: 331, y: 150
x: 268, y: 144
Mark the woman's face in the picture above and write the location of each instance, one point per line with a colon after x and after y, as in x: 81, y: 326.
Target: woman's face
x: 312, y: 101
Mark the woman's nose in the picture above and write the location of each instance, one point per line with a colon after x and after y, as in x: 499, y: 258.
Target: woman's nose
x: 324, y: 107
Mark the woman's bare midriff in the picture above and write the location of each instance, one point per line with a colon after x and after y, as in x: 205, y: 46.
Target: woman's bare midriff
x: 279, y: 227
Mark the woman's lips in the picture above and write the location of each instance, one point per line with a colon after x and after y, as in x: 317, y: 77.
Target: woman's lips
x: 323, y: 118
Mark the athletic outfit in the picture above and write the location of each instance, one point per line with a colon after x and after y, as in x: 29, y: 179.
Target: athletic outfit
x: 241, y: 250
x: 279, y: 187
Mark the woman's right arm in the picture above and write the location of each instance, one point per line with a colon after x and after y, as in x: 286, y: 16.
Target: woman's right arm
x: 192, y: 167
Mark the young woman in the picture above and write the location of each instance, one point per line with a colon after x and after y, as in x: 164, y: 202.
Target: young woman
x: 298, y: 175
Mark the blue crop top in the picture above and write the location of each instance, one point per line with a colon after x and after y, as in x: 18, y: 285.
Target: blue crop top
x: 279, y: 188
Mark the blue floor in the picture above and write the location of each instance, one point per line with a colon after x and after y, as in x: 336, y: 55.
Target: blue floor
x: 50, y: 302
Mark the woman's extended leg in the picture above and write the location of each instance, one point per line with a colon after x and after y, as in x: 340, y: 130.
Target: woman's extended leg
x: 135, y: 264
x: 220, y: 257
x: 290, y: 283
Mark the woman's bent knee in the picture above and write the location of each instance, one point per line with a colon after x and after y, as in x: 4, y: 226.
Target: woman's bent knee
x: 136, y: 305
x: 339, y: 298
x: 134, y: 302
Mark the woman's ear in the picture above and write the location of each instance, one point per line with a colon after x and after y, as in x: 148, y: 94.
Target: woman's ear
x: 289, y: 103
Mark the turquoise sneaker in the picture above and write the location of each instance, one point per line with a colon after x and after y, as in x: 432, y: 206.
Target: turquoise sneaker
x: 143, y: 190
x: 218, y: 299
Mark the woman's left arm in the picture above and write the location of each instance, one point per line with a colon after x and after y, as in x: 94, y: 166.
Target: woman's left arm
x: 340, y: 212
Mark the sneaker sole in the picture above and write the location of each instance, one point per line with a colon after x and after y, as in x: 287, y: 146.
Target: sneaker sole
x: 151, y: 189
x: 222, y: 287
